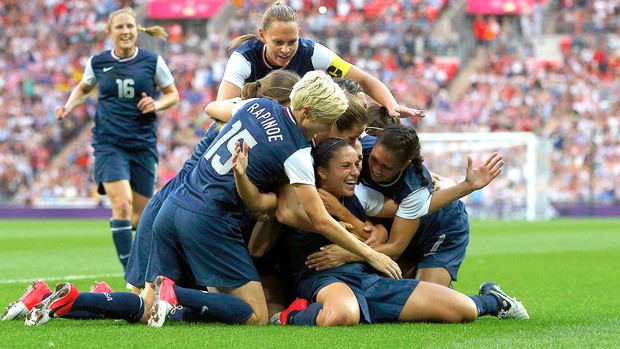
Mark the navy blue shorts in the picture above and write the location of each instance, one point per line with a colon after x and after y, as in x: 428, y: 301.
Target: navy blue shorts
x: 381, y: 299
x: 139, y: 166
x: 441, y: 240
x: 135, y: 273
x: 193, y: 248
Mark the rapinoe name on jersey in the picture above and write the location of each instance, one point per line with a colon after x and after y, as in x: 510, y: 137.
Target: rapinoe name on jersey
x: 267, y: 121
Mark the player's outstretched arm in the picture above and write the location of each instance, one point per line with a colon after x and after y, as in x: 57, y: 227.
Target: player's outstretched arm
x: 477, y: 178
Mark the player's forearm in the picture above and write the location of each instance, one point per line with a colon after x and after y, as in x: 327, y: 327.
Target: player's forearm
x: 167, y: 100
x: 443, y: 197
x: 76, y: 98
x: 341, y: 237
x: 252, y: 198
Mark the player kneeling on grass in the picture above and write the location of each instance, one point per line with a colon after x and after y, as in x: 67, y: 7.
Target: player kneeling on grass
x: 353, y: 292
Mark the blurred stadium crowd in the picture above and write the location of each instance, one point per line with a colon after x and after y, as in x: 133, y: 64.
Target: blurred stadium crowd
x: 44, y: 45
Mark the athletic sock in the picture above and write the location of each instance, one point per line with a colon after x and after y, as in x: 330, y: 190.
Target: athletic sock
x: 186, y: 314
x: 122, y: 236
x: 219, y: 307
x: 486, y: 305
x: 304, y: 317
x: 114, y: 305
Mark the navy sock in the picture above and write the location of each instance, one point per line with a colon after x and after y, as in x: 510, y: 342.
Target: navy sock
x: 486, y: 305
x: 306, y: 316
x: 219, y: 307
x: 83, y: 315
x: 185, y: 314
x: 115, y: 305
x: 122, y: 236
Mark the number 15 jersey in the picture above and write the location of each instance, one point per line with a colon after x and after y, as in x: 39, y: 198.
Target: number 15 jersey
x: 277, y: 149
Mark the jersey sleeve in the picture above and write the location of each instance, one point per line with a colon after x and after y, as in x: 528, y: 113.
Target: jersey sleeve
x: 326, y: 59
x: 89, y: 74
x: 237, y: 70
x: 241, y: 104
x: 415, y: 205
x: 371, y: 200
x: 298, y: 167
x: 163, y: 76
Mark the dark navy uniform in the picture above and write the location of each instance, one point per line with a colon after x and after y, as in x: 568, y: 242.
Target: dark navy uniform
x: 442, y: 237
x: 381, y: 299
x: 197, y: 231
x: 248, y: 62
x: 124, y: 139
x: 135, y: 272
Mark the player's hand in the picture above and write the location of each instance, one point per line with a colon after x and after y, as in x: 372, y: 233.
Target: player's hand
x: 378, y: 234
x: 240, y: 159
x: 385, y: 265
x: 479, y: 177
x: 147, y: 104
x: 330, y: 256
x: 401, y: 111
x: 332, y: 204
x: 60, y: 113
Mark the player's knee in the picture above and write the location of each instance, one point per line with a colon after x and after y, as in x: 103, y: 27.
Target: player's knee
x: 464, y: 313
x: 256, y: 320
x: 344, y: 316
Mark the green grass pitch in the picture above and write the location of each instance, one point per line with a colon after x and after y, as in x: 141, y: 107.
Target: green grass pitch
x: 566, y: 273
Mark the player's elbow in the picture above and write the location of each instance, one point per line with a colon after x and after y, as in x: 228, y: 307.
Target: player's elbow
x: 285, y: 216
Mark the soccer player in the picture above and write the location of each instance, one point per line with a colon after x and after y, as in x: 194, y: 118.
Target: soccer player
x: 196, y: 232
x: 353, y: 292
x: 279, y: 46
x: 124, y: 136
x: 277, y: 86
x: 432, y: 225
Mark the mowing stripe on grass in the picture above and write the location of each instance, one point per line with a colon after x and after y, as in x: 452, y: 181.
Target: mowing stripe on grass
x: 62, y: 278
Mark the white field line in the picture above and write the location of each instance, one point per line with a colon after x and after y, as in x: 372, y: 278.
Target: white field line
x: 97, y: 277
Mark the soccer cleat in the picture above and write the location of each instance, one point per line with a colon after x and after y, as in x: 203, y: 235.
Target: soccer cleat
x: 509, y: 308
x: 281, y: 318
x: 100, y: 287
x: 56, y: 305
x: 34, y: 294
x: 165, y: 301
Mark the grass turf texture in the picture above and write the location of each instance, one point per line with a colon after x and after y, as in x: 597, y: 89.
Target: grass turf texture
x: 565, y: 272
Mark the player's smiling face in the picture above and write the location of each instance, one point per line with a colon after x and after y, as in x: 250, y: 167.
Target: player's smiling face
x: 384, y: 165
x: 281, y: 41
x: 340, y: 177
x: 124, y: 33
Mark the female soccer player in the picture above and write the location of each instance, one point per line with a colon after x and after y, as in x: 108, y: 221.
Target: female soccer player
x: 279, y: 46
x: 436, y: 221
x: 277, y: 86
x: 196, y: 232
x: 124, y: 136
x: 353, y: 292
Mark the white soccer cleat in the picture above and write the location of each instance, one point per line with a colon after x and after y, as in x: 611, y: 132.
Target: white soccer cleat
x: 34, y: 294
x: 57, y: 304
x: 509, y: 308
x: 165, y: 301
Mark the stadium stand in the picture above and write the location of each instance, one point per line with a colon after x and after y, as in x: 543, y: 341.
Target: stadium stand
x: 567, y: 99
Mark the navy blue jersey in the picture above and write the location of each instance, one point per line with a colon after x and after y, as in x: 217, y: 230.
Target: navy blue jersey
x: 301, y: 63
x: 408, y: 190
x: 121, y: 84
x: 248, y: 62
x: 278, y: 149
x: 199, y: 151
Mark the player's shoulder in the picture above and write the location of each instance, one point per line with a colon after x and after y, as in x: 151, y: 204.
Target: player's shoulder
x: 253, y: 45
